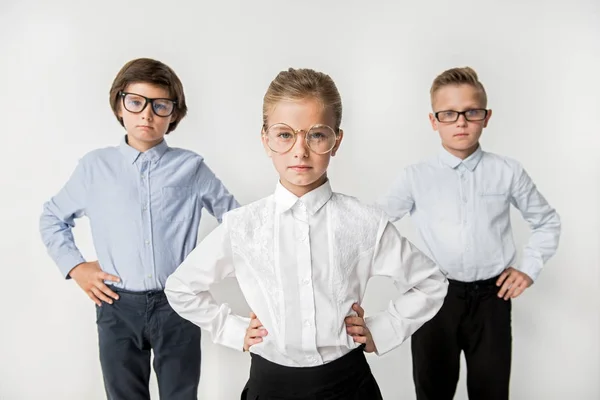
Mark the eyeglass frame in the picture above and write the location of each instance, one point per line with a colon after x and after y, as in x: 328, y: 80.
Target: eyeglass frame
x: 296, y: 132
x: 123, y: 94
x: 464, y: 113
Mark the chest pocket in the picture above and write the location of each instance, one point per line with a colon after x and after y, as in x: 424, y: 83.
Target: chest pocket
x: 178, y: 203
x: 494, y: 203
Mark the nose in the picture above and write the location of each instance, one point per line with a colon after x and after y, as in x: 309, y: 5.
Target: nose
x: 300, y: 148
x: 461, y: 121
x: 147, y: 113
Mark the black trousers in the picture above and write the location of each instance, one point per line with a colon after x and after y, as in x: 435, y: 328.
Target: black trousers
x: 474, y: 320
x: 129, y: 329
x: 347, y: 378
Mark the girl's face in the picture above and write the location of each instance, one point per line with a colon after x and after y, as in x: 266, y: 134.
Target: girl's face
x: 301, y: 169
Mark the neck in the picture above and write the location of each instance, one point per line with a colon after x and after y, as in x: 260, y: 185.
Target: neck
x: 462, y: 154
x: 300, y: 191
x: 142, y: 146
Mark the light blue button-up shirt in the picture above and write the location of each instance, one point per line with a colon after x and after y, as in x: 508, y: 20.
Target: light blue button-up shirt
x: 144, y: 211
x: 461, y: 210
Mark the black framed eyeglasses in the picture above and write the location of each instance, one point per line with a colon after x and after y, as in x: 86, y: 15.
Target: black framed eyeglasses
x: 136, y: 103
x: 476, y: 114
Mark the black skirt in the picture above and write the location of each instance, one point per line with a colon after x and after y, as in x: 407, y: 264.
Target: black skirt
x: 347, y: 378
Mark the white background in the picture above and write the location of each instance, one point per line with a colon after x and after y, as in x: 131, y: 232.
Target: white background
x: 539, y: 61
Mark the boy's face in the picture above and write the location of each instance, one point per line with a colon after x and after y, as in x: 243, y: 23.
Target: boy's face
x: 145, y: 129
x: 300, y: 169
x: 460, y: 138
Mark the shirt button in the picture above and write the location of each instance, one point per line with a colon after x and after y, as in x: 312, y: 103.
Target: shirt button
x: 144, y: 208
x: 306, y: 322
x: 149, y: 276
x: 306, y: 281
x: 147, y: 241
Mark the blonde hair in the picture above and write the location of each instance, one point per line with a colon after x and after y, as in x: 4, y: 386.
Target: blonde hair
x: 300, y: 84
x: 458, y: 76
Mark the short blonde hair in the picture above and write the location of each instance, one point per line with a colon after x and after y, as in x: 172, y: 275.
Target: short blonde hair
x: 458, y: 76
x: 299, y: 84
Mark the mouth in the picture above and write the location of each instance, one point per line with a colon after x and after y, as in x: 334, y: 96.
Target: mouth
x: 300, y: 168
x: 145, y: 127
x: 461, y: 135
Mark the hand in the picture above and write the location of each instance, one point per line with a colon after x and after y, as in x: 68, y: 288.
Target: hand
x: 513, y: 283
x: 356, y: 327
x: 90, y: 277
x: 254, y: 333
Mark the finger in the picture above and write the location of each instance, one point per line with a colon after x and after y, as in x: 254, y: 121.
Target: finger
x: 507, y: 284
x: 359, y: 310
x: 254, y: 333
x: 250, y: 342
x: 354, y: 321
x: 356, y: 330
x: 255, y: 323
x: 360, y: 339
x: 109, y: 277
x: 252, y: 315
x: 101, y: 295
x: 519, y: 290
x: 94, y: 298
x: 502, y: 277
x: 515, y: 285
x: 106, y: 290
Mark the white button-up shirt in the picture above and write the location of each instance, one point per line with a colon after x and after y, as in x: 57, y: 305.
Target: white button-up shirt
x: 301, y: 263
x: 462, y: 211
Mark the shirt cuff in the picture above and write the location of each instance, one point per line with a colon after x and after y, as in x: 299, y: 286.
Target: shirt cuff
x: 234, y: 332
x: 69, y: 261
x: 384, y: 333
x: 531, y: 267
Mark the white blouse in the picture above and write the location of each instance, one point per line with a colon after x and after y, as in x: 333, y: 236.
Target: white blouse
x: 301, y: 263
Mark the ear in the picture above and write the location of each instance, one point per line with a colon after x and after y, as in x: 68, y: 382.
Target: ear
x: 433, y: 121
x: 263, y: 138
x: 338, y: 143
x: 487, y: 118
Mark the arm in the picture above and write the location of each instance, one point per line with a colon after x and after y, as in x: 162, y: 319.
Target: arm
x: 215, y: 196
x: 58, y: 219
x: 399, y: 200
x: 545, y: 232
x: 421, y: 284
x: 543, y: 220
x: 56, y: 224
x: 187, y: 290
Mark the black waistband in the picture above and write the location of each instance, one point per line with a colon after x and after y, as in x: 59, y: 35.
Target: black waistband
x: 339, y: 376
x: 483, y: 283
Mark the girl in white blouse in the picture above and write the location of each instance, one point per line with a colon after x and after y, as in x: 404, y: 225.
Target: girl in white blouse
x: 303, y: 257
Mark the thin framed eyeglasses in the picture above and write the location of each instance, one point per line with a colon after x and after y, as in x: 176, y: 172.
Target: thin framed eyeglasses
x: 136, y: 103
x: 476, y: 114
x: 320, y: 139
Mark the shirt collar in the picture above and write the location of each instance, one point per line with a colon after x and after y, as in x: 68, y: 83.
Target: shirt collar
x: 313, y: 200
x: 452, y: 161
x: 154, y: 154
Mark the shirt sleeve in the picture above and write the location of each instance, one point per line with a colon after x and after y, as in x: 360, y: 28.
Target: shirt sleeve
x: 187, y: 290
x: 215, y: 196
x: 543, y: 221
x: 421, y: 285
x: 398, y: 201
x: 58, y: 219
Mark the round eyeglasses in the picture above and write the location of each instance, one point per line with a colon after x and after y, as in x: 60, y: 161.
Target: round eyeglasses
x: 320, y: 139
